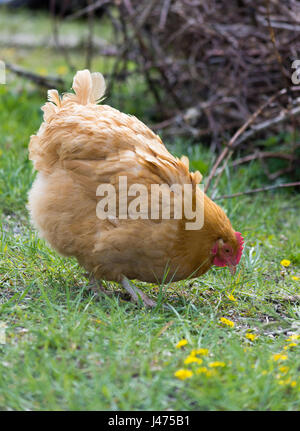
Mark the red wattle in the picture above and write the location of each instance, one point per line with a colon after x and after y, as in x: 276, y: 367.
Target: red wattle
x: 240, y: 240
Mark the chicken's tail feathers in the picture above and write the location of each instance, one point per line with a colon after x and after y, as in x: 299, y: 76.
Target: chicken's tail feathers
x: 98, y: 86
x: 88, y: 87
x: 45, y: 146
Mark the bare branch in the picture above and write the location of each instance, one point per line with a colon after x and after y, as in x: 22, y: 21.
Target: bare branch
x: 88, y: 9
x: 44, y: 81
x: 261, y: 189
x: 239, y: 132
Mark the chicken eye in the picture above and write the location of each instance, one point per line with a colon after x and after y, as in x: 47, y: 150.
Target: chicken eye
x: 227, y: 250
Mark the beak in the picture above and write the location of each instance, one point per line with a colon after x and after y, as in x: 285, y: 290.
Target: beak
x: 232, y: 269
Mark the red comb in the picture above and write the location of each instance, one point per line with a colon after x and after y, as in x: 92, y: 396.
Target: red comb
x: 240, y: 241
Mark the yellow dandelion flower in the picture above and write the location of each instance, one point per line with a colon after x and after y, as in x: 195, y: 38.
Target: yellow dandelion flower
x: 284, y: 369
x: 294, y: 277
x: 183, y: 374
x: 279, y: 357
x: 264, y: 372
x: 181, y: 343
x: 201, y: 351
x: 286, y: 381
x: 293, y: 337
x: 289, y: 346
x: 251, y: 337
x: 201, y: 370
x: 191, y: 359
x: 231, y: 297
x: 293, y: 384
x: 227, y: 322
x: 216, y: 364
x: 285, y: 262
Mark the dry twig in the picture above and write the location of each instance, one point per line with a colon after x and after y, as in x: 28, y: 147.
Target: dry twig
x: 261, y: 189
x: 227, y: 150
x: 43, y: 81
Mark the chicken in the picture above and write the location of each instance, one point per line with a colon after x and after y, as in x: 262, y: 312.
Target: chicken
x: 81, y: 146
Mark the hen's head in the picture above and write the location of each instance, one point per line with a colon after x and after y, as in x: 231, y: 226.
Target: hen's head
x: 228, y: 251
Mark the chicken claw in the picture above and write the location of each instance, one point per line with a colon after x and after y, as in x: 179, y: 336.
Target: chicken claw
x: 136, y: 294
x: 96, y: 287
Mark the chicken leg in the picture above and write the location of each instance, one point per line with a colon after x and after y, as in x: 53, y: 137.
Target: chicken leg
x: 96, y: 287
x: 136, y: 294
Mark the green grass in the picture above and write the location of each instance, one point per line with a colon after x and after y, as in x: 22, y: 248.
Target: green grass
x: 66, y: 349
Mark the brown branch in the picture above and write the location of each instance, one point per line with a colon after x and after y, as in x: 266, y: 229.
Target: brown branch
x: 55, y: 30
x: 278, y: 173
x: 237, y: 134
x: 261, y: 155
x: 261, y: 189
x: 197, y: 51
x: 87, y: 9
x: 221, y: 170
x: 43, y: 81
x: 258, y: 155
x: 277, y: 53
x: 283, y: 116
x: 164, y: 14
x: 143, y: 52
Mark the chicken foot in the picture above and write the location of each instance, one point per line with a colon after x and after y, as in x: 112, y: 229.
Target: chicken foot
x: 136, y: 294
x: 97, y: 287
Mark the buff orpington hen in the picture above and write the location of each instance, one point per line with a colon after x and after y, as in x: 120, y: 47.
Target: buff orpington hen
x: 81, y: 146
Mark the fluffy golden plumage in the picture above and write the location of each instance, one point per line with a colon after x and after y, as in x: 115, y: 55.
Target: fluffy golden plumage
x: 81, y: 145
